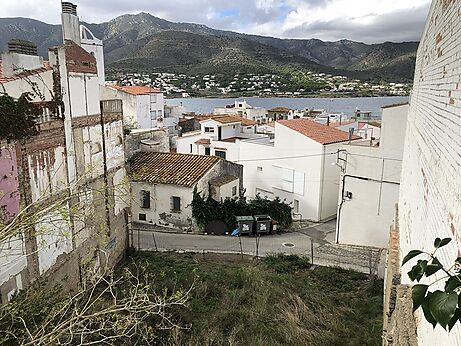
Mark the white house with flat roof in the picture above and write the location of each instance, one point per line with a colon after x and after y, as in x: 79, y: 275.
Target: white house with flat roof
x: 143, y: 106
x: 242, y: 109
x: 220, y: 135
x: 370, y: 183
x: 299, y: 166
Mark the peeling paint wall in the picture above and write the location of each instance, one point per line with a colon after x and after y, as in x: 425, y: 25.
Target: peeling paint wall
x: 430, y: 198
x: 9, y: 184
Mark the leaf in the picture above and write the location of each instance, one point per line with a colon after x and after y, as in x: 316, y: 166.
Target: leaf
x: 417, y: 272
x: 433, y: 267
x: 454, y: 319
x: 443, y: 306
x: 453, y: 283
x: 427, y: 311
x: 418, y: 293
x: 410, y: 255
x: 438, y: 243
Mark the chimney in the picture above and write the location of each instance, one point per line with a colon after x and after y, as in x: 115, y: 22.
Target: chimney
x: 70, y: 23
x: 21, y: 56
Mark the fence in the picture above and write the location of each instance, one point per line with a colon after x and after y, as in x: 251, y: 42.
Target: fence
x: 362, y: 259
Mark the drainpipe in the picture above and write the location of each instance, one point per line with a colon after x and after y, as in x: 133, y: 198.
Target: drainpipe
x: 343, y: 198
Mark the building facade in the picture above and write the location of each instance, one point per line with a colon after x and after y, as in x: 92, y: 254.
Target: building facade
x: 162, y: 186
x: 242, y: 109
x: 298, y: 166
x: 370, y: 183
x: 430, y: 193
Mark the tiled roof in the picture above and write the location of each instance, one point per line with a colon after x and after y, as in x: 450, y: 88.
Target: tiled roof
x: 228, y: 119
x: 170, y: 168
x: 136, y: 90
x: 79, y: 60
x: 223, y: 180
x: 318, y: 132
x: 3, y: 79
x: 280, y: 109
x: 203, y: 141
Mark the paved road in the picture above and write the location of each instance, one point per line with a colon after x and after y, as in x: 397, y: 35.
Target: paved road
x: 288, y: 243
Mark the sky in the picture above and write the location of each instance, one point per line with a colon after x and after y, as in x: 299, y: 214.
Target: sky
x: 370, y: 21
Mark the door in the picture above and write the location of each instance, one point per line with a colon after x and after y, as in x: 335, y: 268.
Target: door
x: 219, y: 133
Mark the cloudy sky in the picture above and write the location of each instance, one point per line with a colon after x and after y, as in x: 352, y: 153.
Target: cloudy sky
x: 361, y: 20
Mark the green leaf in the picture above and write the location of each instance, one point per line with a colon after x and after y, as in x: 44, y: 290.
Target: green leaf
x: 427, y: 311
x: 438, y: 243
x: 433, y: 267
x: 453, y: 283
x: 454, y: 319
x: 418, y: 293
x: 417, y: 272
x: 410, y: 255
x: 443, y: 306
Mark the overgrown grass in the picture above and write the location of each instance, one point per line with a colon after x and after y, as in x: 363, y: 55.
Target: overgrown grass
x: 277, y: 301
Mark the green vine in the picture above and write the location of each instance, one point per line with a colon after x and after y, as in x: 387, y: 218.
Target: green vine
x: 206, y: 209
x: 439, y: 307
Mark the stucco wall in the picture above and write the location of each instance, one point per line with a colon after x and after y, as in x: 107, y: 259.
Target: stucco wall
x: 430, y: 198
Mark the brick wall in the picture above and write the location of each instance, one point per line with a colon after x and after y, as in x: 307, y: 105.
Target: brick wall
x: 430, y: 199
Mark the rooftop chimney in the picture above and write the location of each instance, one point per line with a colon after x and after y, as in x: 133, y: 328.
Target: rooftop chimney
x: 21, y: 56
x: 70, y: 23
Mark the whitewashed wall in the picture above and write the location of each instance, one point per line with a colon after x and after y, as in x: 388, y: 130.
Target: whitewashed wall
x: 430, y: 198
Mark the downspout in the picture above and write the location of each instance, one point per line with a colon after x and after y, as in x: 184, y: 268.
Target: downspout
x: 322, y: 176
x: 343, y: 199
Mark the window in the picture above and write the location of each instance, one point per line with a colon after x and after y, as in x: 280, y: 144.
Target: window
x: 296, y: 206
x: 176, y: 203
x: 96, y: 148
x: 260, y: 169
x: 234, y: 191
x: 142, y: 217
x: 145, y: 199
x: 209, y: 129
x: 221, y: 154
x: 207, y: 151
x: 190, y: 149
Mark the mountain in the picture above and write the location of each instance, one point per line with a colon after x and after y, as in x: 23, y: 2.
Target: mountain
x: 145, y: 41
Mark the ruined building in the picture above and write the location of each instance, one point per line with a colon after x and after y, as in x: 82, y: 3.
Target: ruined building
x: 68, y: 183
x: 430, y: 194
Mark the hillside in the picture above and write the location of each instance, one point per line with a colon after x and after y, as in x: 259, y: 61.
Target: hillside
x: 151, y: 42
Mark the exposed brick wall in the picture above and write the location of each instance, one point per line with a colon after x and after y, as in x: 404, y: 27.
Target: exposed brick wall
x: 430, y: 200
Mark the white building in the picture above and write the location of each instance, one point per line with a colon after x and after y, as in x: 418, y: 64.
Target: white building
x: 242, y: 109
x: 370, y: 182
x: 143, y: 107
x: 430, y: 191
x: 298, y: 166
x: 220, y: 135
x: 163, y: 183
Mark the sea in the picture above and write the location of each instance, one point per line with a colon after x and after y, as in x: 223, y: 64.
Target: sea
x: 346, y: 106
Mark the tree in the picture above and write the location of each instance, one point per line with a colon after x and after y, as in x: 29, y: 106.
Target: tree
x: 440, y: 307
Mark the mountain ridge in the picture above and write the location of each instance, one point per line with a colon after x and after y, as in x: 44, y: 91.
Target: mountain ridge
x: 388, y: 60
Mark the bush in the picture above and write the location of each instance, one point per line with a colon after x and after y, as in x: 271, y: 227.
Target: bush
x: 205, y: 210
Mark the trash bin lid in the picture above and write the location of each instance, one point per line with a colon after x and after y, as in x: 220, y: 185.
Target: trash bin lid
x: 244, y: 218
x: 262, y: 218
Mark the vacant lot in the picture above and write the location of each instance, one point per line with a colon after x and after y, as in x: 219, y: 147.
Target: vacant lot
x: 276, y: 301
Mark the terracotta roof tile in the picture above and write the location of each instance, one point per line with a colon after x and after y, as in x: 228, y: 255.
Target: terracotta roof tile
x: 203, y: 141
x: 223, y: 180
x: 170, y: 168
x: 79, y: 60
x: 227, y: 119
x: 280, y: 110
x: 136, y: 89
x: 318, y: 132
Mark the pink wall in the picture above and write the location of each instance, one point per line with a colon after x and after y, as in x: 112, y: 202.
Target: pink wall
x: 9, y: 185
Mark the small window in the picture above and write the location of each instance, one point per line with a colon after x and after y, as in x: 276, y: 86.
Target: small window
x: 118, y: 141
x: 96, y: 148
x: 142, y: 217
x: 233, y: 127
x: 207, y: 151
x: 260, y: 169
x: 234, y: 191
x: 296, y: 206
x: 209, y: 129
x: 176, y: 203
x: 221, y: 154
x: 190, y: 149
x: 145, y: 199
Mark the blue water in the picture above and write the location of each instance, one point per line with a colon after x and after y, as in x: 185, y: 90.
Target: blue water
x: 332, y: 105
